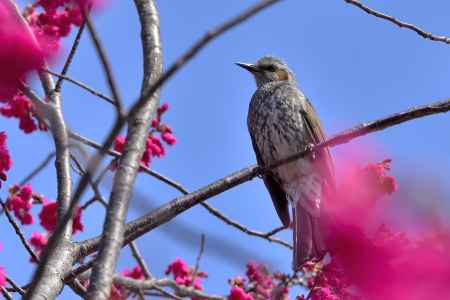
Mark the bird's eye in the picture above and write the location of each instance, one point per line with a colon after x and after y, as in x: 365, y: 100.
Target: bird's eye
x: 270, y: 68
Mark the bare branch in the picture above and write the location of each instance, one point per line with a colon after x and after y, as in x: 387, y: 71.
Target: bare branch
x: 138, y: 127
x: 180, y: 290
x: 171, y: 209
x: 140, y: 260
x: 5, y: 293
x: 19, y: 232
x: 419, y: 31
x: 15, y: 286
x: 105, y: 63
x: 69, y: 59
x: 38, y: 169
x: 83, y: 86
x: 266, y: 236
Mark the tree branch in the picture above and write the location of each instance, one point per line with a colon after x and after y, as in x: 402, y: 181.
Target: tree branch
x: 138, y: 127
x: 419, y: 31
x: 105, y: 63
x: 83, y: 86
x: 171, y: 209
x: 69, y: 59
x: 19, y: 232
x: 180, y: 290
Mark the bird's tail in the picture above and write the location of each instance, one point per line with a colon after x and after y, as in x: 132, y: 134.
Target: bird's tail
x: 309, y: 241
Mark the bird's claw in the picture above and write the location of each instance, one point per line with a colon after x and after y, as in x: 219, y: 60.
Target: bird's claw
x: 310, y: 148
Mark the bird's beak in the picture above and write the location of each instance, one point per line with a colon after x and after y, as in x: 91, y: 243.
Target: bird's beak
x: 249, y: 67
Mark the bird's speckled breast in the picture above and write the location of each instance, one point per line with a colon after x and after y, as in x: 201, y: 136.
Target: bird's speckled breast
x: 276, y: 125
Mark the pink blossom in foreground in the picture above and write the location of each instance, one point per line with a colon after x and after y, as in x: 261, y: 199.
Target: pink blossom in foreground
x: 20, y: 201
x: 237, y: 293
x: 5, y: 159
x: 19, y: 53
x: 2, y: 277
x: 48, y: 217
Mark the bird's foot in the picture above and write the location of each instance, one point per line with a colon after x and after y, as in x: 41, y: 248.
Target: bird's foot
x: 310, y: 148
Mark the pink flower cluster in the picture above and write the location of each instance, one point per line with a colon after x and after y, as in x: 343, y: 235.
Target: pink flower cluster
x: 20, y: 201
x: 184, y: 275
x: 259, y: 284
x: 18, y: 45
x: 154, y: 146
x: 5, y: 159
x: 48, y: 217
x: 31, y: 44
x: 118, y: 292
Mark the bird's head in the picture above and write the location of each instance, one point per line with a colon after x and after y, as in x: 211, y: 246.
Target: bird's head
x: 268, y: 69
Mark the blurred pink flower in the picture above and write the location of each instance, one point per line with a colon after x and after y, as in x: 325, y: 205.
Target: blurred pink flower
x: 237, y: 293
x: 5, y: 159
x: 135, y: 273
x: 19, y: 54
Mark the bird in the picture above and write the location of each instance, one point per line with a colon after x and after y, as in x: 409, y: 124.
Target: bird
x: 281, y: 122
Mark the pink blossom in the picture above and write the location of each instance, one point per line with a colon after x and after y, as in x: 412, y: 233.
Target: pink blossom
x: 184, y: 275
x: 2, y: 277
x: 48, y: 217
x: 38, y: 240
x: 20, y: 107
x: 162, y: 109
x: 5, y: 159
x: 169, y: 138
x: 20, y: 202
x: 237, y: 293
x: 135, y: 273
x: 178, y: 268
x: 18, y: 45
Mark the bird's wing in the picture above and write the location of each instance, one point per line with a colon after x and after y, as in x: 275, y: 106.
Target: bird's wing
x: 276, y: 193
x: 324, y: 159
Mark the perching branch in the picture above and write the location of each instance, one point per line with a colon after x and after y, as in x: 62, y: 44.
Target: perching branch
x: 171, y: 209
x: 419, y: 31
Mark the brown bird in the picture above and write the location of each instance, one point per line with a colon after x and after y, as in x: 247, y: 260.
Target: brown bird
x: 282, y: 122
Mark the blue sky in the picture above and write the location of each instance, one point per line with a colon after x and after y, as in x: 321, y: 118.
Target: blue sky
x: 352, y: 66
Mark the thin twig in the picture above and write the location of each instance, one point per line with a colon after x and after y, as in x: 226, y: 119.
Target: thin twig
x: 38, y: 169
x: 6, y: 294
x: 69, y: 59
x: 166, y: 212
x: 199, y: 257
x: 266, y: 236
x: 15, y: 286
x: 419, y: 31
x: 274, y: 231
x: 19, y: 232
x: 105, y: 64
x: 140, y: 260
x: 83, y: 86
